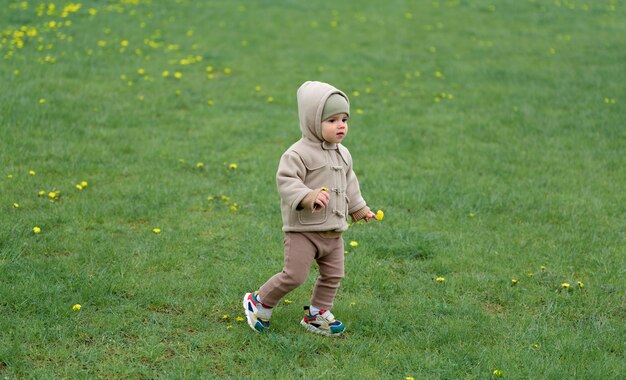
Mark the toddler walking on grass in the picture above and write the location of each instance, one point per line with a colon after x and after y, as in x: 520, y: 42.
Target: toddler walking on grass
x: 318, y: 191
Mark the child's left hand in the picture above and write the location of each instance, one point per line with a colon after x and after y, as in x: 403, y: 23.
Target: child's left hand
x: 370, y: 215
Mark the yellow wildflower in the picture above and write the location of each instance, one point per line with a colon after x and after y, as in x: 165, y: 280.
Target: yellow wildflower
x: 84, y: 184
x: 498, y: 373
x: 225, y: 316
x: 354, y: 244
x: 227, y: 70
x: 178, y: 75
x: 76, y: 307
x: 380, y: 214
x: 31, y: 172
x: 440, y: 279
x: 79, y: 187
x: 124, y: 43
x: 36, y: 230
x: 514, y: 281
x: 141, y: 71
x: 200, y: 165
x: 240, y: 318
x: 288, y: 302
x: 16, y: 205
x: 580, y: 284
x: 232, y: 166
x: 156, y: 230
x: 166, y: 74
x: 565, y: 285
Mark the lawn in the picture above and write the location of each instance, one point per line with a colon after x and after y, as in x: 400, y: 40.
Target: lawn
x: 139, y: 141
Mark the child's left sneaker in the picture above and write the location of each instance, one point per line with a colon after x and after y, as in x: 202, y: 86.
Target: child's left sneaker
x: 258, y: 316
x: 322, y: 323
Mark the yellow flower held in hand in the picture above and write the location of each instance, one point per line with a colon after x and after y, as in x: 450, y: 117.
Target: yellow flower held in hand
x: 380, y: 214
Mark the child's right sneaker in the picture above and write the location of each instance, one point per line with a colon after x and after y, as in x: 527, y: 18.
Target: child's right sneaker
x: 322, y: 323
x: 258, y: 316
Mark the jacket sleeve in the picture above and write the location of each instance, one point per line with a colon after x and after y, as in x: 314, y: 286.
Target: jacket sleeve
x: 353, y: 191
x: 290, y: 179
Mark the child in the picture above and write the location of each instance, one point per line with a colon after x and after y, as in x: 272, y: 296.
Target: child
x: 318, y: 190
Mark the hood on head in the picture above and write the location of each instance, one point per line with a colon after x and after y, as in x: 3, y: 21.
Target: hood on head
x: 311, y: 99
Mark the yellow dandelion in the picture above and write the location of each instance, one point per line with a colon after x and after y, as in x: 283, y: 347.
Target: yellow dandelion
x: 409, y: 377
x: 225, y: 198
x: 84, y: 184
x: 232, y: 166
x: 225, y: 316
x: 240, y: 318
x: 41, y: 193
x: 79, y: 187
x: 439, y: 74
x: 124, y: 43
x: 31, y: 172
x: 16, y: 205
x: 380, y: 214
x: 9, y: 176
x: 76, y: 307
x: 210, y: 198
x: 52, y: 195
x: 514, y: 281
x: 565, y: 285
x: 210, y: 102
x: 165, y: 74
x: 356, y: 93
x: 536, y: 346
x: 93, y: 11
x: 42, y: 101
x: 234, y: 207
x: 156, y: 230
x: 178, y: 75
x: 227, y: 70
x: 354, y: 244
x: 258, y: 88
x: 440, y: 279
x: 36, y: 230
x: 141, y: 71
x: 580, y: 284
x: 270, y: 99
x: 288, y: 302
x: 498, y: 373
x: 200, y: 165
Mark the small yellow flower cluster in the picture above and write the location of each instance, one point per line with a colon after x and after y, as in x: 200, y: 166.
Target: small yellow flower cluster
x: 82, y: 185
x: 76, y: 307
x: 443, y: 96
x: 440, y: 279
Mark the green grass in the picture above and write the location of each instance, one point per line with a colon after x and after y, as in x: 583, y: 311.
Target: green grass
x: 521, y: 168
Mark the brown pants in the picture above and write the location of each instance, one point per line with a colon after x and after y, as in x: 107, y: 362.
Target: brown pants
x: 301, y: 248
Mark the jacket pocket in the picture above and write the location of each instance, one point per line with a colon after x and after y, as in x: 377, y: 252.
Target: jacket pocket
x: 307, y: 217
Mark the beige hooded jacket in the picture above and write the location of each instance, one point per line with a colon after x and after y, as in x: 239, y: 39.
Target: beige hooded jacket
x: 312, y: 164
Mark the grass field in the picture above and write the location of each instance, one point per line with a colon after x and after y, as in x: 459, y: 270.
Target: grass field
x: 492, y: 134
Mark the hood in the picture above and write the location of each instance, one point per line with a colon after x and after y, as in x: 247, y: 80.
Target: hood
x: 311, y: 99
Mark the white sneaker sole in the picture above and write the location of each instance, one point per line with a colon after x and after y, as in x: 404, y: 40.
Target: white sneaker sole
x: 249, y: 314
x: 315, y: 330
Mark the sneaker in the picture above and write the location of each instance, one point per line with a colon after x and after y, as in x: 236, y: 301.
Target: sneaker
x: 323, y: 323
x: 258, y: 316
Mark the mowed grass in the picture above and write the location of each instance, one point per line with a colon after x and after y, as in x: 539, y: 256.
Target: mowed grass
x: 491, y: 134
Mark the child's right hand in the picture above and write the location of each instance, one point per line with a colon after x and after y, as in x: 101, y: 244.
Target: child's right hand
x: 321, y: 200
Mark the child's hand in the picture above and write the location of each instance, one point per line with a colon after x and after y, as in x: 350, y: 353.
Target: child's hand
x: 370, y: 215
x: 321, y: 201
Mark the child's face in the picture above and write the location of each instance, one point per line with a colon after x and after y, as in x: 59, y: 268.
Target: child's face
x: 335, y: 128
